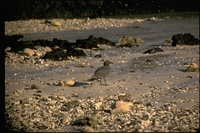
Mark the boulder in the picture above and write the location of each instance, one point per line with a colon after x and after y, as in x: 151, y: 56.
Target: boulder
x: 92, y: 42
x: 184, y: 39
x: 56, y: 54
x: 128, y: 41
x: 89, y: 43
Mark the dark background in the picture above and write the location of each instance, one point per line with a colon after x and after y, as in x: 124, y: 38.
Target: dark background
x: 36, y: 9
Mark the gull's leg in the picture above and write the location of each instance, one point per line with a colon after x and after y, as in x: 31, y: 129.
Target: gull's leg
x: 105, y: 82
x: 100, y: 82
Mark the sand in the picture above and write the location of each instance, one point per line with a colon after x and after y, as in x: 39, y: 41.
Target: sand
x: 161, y: 81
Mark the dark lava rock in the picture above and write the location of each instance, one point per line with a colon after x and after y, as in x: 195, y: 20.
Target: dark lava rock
x: 13, y: 42
x: 153, y: 50
x: 89, y: 121
x: 76, y: 53
x: 56, y: 54
x: 89, y: 43
x: 98, y: 56
x: 62, y: 54
x: 106, y: 41
x: 92, y: 42
x: 184, y: 39
x: 34, y: 86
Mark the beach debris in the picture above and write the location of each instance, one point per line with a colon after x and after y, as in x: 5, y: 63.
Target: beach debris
x: 128, y: 41
x: 153, y: 50
x: 192, y: 68
x: 184, y: 39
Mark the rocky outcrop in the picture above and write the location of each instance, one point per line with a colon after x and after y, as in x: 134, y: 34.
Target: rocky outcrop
x: 91, y: 42
x: 61, y: 49
x: 184, y: 39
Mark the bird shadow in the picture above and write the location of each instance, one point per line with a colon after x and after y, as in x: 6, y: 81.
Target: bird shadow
x: 181, y: 70
x: 77, y: 84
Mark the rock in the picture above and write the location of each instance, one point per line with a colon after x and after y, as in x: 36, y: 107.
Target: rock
x: 105, y: 41
x: 98, y: 105
x: 89, y: 43
x: 184, y: 39
x: 92, y: 42
x: 192, y: 68
x: 8, y: 49
x: 71, y: 104
x: 76, y: 53
x: 69, y: 83
x: 56, y: 54
x: 122, y: 107
x: 56, y: 24
x: 125, y: 97
x: 153, y: 50
x: 29, y: 52
x: 98, y: 56
x: 81, y: 65
x: 169, y: 42
x: 34, y: 86
x: 128, y: 41
x: 87, y: 129
x: 86, y: 121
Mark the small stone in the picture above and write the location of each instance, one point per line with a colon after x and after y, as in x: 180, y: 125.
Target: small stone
x: 98, y: 105
x: 70, y: 83
x: 34, y: 86
x: 98, y: 56
x: 29, y: 52
x: 61, y: 83
x: 168, y: 42
x: 192, y: 68
x: 56, y: 24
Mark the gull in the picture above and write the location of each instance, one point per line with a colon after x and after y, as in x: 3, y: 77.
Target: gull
x: 102, y: 72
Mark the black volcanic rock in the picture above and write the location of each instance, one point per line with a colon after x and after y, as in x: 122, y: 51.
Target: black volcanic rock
x: 89, y: 43
x: 56, y: 54
x: 184, y: 39
x: 153, y: 50
x: 92, y: 42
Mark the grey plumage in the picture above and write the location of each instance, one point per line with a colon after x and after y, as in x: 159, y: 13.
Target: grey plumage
x: 102, y: 72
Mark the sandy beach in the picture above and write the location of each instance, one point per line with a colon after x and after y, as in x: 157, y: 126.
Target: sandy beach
x: 159, y: 79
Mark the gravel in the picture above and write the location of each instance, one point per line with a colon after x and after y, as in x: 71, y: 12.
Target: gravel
x: 65, y: 113
x: 39, y: 26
